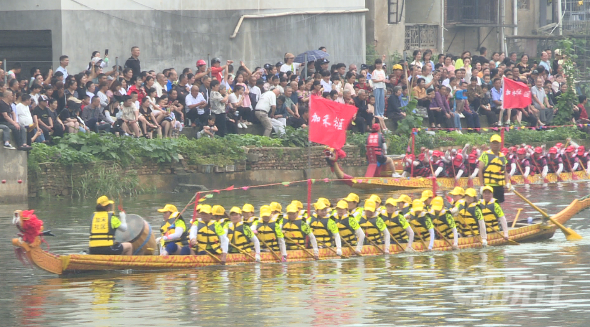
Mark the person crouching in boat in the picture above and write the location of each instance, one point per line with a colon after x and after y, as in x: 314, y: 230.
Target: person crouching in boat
x: 102, y: 230
x: 470, y: 219
x: 492, y: 212
x: 443, y: 221
x: 248, y: 214
x: 324, y: 227
x: 174, y: 240
x: 398, y: 226
x: 348, y: 227
x: 269, y: 232
x: 376, y: 142
x: 374, y: 226
x: 207, y: 235
x: 296, y: 230
x: 354, y: 210
x: 240, y: 235
x: 421, y: 223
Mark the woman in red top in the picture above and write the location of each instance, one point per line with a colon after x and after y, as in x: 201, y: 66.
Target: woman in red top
x: 137, y: 87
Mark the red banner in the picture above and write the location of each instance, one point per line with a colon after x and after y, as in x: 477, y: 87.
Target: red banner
x: 517, y: 95
x: 328, y: 121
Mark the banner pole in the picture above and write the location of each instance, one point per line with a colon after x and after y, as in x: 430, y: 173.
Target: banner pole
x: 309, y: 197
x: 502, y: 135
x: 413, y: 152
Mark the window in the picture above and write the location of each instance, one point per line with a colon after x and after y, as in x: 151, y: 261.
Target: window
x: 524, y: 4
x: 420, y: 37
x: 395, y: 10
x: 472, y: 12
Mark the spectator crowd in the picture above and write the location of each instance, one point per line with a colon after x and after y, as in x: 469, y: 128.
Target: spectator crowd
x: 222, y: 97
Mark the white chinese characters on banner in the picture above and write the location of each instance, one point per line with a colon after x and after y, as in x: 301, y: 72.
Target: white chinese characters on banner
x: 326, y: 121
x: 315, y: 118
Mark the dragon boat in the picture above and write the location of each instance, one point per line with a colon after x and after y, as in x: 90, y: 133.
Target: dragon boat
x: 377, y: 178
x: 74, y: 263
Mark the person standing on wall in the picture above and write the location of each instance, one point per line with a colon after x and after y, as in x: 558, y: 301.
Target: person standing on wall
x: 133, y: 62
x: 492, y: 169
x: 378, y: 77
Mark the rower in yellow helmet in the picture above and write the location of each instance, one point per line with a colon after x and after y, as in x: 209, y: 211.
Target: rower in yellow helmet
x: 207, y: 235
x: 374, y: 226
x: 443, y: 220
x: 240, y: 235
x: 492, y: 169
x: 398, y: 226
x: 406, y: 203
x: 296, y: 230
x: 458, y: 194
x: 492, y: 212
x: 426, y: 198
x: 379, y: 205
x: 219, y: 215
x: 102, y: 230
x: 269, y: 232
x: 302, y: 213
x: 174, y: 240
x: 324, y: 227
x: 354, y: 210
x: 276, y: 210
x: 470, y: 219
x: 328, y: 205
x: 248, y: 214
x: 421, y: 222
x: 348, y: 227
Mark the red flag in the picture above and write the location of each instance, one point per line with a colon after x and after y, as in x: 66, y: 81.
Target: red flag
x: 516, y: 95
x: 328, y: 121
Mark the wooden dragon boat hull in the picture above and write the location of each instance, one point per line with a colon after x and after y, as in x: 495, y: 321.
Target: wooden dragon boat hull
x: 64, y: 264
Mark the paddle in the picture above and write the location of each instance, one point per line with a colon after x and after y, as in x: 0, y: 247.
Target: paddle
x: 373, y: 243
x: 526, y: 180
x: 211, y: 255
x: 271, y: 250
x: 301, y: 247
x: 569, y: 164
x: 582, y: 164
x: 396, y: 242
x: 516, y: 217
x: 569, y: 233
x: 444, y: 238
x: 513, y: 242
x: 242, y: 251
x: 331, y: 249
x: 421, y: 239
x: 353, y: 249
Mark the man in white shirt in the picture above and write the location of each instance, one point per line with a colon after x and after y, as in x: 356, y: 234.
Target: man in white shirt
x: 267, y: 104
x: 64, y: 61
x: 326, y: 82
x: 159, y: 84
x: 289, y: 65
x: 195, y: 105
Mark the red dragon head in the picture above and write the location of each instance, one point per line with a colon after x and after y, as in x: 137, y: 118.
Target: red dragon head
x: 28, y: 223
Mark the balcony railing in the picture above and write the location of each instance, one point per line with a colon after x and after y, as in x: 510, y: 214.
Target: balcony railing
x: 471, y: 12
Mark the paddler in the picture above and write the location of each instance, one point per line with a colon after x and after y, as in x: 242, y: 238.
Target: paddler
x: 219, y: 215
x: 438, y: 164
x: 421, y: 223
x: 443, y: 221
x: 470, y: 219
x: 492, y: 169
x: 348, y: 226
x: 374, y: 226
x: 102, y: 230
x: 458, y: 195
x: 426, y: 198
x: 584, y: 158
x: 248, y: 214
x: 302, y: 213
x: 269, y: 232
x: 571, y: 159
x: 328, y: 205
x: 324, y: 227
x: 276, y: 211
x: 354, y: 210
x: 522, y: 162
x: 207, y: 235
x: 539, y: 162
x: 174, y: 240
x: 375, y: 198
x: 406, y: 203
x: 554, y: 161
x: 376, y: 142
x: 492, y: 212
x: 240, y: 235
x: 398, y: 226
x: 296, y: 230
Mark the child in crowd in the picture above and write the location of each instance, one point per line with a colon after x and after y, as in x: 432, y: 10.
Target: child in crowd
x: 209, y: 129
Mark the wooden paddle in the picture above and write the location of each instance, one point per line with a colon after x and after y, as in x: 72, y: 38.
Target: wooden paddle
x: 301, y: 247
x: 516, y: 217
x: 242, y: 251
x: 331, y: 249
x: 396, y: 242
x: 569, y: 164
x: 271, y: 250
x: 211, y: 255
x: 582, y: 164
x: 352, y: 248
x: 513, y: 242
x: 569, y: 233
x: 373, y: 243
x: 420, y: 236
x: 444, y: 238
x: 526, y: 180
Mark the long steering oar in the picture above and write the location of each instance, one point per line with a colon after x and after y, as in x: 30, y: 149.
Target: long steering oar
x: 373, y: 243
x: 331, y: 249
x: 302, y: 247
x: 569, y: 233
x: 352, y: 248
x: 242, y: 251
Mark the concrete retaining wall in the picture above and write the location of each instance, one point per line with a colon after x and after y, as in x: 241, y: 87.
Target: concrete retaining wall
x: 13, y: 175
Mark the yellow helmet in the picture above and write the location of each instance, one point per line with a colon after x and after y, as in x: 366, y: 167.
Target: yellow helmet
x: 235, y: 210
x: 265, y: 211
x: 487, y: 188
x: 292, y: 208
x: 437, y: 203
x: 275, y: 206
x: 218, y: 210
x: 495, y: 138
x: 104, y: 201
x: 342, y: 204
x: 298, y: 204
x: 205, y: 208
x: 426, y: 194
x: 325, y: 201
x: 352, y: 197
x: 320, y: 205
x: 417, y: 205
x: 370, y: 205
x: 375, y: 198
x: 392, y: 201
x: 471, y: 192
x: 167, y: 208
x: 248, y: 208
x: 405, y: 199
x: 458, y: 190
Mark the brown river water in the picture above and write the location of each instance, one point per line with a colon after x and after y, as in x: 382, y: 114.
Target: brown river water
x: 537, y: 284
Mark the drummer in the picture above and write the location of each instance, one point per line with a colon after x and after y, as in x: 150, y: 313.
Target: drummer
x: 175, y: 233
x: 102, y: 230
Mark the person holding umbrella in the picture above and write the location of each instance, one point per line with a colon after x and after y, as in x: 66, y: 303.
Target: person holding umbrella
x: 289, y: 64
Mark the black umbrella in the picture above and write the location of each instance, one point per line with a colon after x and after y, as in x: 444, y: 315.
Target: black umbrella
x: 312, y: 55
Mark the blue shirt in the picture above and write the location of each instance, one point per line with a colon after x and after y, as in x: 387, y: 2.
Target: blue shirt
x: 496, y: 96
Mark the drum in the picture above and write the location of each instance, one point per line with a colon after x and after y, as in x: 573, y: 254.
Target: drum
x: 139, y: 233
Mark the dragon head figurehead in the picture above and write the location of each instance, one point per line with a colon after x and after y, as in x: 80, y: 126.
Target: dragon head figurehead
x: 28, y: 224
